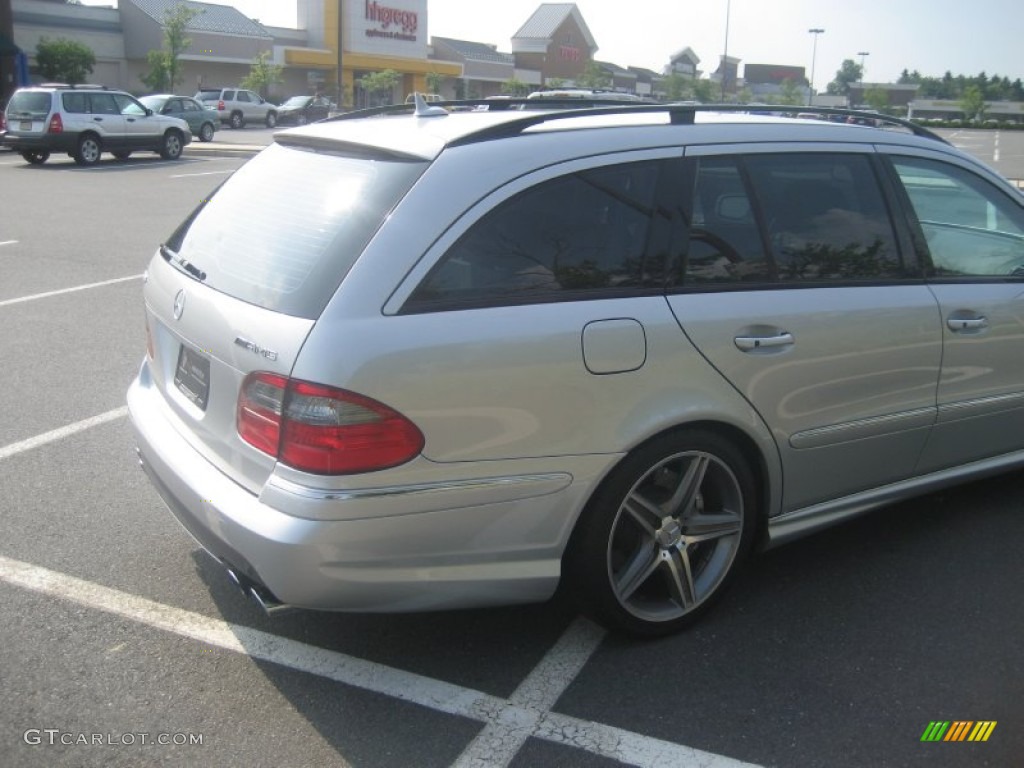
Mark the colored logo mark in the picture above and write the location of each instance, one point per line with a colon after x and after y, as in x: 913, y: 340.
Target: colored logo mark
x: 958, y: 730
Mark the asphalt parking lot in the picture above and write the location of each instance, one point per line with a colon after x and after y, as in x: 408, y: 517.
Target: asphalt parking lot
x: 124, y: 644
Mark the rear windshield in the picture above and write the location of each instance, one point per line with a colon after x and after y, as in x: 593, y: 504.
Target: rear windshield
x: 29, y: 104
x: 285, y: 229
x: 208, y: 95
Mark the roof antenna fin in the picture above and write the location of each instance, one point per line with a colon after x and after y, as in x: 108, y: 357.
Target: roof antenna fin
x: 425, y: 110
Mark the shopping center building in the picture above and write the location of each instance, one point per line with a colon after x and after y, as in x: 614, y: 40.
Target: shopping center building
x: 554, y: 45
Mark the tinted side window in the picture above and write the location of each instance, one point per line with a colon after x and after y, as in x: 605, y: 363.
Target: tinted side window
x: 103, y: 104
x: 583, y: 232
x: 243, y: 96
x: 971, y: 227
x: 826, y: 217
x: 725, y: 243
x: 75, y: 103
x: 126, y: 105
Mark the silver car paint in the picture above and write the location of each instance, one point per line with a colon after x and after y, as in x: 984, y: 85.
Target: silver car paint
x: 520, y: 427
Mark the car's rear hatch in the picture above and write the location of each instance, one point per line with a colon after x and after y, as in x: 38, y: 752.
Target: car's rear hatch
x: 238, y: 287
x: 28, y: 112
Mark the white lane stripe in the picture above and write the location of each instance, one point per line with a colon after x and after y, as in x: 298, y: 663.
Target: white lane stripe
x: 497, y: 744
x: 995, y: 154
x: 48, y: 294
x: 204, y: 173
x: 8, y: 242
x: 598, y: 739
x: 61, y: 432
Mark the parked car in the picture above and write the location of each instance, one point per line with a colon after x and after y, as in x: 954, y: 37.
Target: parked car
x: 202, y: 120
x: 454, y: 359
x: 237, y: 106
x: 303, y: 109
x: 85, y: 121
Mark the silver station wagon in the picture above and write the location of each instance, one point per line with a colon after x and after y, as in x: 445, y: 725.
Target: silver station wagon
x: 439, y: 359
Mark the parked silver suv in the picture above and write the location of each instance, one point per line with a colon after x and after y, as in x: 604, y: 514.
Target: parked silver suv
x: 237, y: 106
x: 452, y: 359
x: 86, y: 121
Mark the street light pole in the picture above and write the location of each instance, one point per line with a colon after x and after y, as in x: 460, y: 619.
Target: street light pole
x: 863, y: 55
x: 814, y: 55
x: 725, y: 54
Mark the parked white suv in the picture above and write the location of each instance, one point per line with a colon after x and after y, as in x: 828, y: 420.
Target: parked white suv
x: 85, y: 122
x: 416, y: 361
x: 237, y: 106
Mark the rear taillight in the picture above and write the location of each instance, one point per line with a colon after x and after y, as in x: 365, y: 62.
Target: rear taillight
x: 56, y: 124
x: 323, y: 430
x: 220, y: 105
x: 3, y: 122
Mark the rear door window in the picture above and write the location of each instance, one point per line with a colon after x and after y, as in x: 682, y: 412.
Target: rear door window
x: 972, y: 229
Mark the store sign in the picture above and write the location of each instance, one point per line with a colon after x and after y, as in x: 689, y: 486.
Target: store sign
x: 568, y: 53
x: 390, y: 23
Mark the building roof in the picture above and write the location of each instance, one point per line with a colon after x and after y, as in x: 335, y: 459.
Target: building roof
x: 474, y: 51
x: 686, y: 53
x: 546, y: 20
x: 218, y: 19
x: 615, y: 69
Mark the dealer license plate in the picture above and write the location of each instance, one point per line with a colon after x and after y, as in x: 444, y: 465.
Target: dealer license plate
x: 192, y: 376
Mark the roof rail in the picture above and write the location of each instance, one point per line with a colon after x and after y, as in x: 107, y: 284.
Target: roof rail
x: 679, y: 113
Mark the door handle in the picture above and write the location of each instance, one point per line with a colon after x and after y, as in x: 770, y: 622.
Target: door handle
x: 751, y: 343
x: 966, y: 323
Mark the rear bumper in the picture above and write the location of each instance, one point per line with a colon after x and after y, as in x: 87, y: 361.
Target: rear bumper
x: 473, y: 547
x: 48, y: 142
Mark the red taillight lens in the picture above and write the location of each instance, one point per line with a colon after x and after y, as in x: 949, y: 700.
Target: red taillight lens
x: 56, y: 124
x: 321, y: 429
x: 3, y: 122
x: 220, y: 105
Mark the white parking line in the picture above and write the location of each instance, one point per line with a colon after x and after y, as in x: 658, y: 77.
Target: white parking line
x: 204, y: 173
x: 496, y: 745
x: 62, y: 291
x: 61, y: 432
x: 528, y: 713
x: 8, y: 242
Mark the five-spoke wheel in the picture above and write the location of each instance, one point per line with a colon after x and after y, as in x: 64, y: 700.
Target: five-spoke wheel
x: 663, y: 535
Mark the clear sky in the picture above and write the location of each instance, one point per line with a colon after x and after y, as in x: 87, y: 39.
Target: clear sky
x: 931, y: 36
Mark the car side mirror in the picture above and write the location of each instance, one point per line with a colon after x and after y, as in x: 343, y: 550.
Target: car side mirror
x: 149, y: 112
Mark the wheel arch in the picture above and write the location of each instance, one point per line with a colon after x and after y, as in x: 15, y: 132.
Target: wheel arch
x: 763, y: 466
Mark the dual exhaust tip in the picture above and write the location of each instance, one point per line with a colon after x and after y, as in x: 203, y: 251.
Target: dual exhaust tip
x: 262, y: 596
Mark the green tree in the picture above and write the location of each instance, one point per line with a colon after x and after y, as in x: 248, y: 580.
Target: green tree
x: 514, y: 87
x: 380, y: 85
x: 164, y: 65
x: 790, y: 93
x: 705, y: 91
x: 678, y: 87
x: 972, y: 102
x: 63, y: 60
x: 262, y: 74
x: 594, y: 76
x: 554, y: 82
x: 877, y: 99
x: 849, y: 72
x: 434, y: 82
x: 744, y: 96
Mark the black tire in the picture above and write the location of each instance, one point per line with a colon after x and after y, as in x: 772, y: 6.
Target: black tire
x: 271, y: 119
x: 35, y: 156
x: 206, y: 131
x: 88, y: 150
x: 301, y: 119
x: 237, y: 120
x: 665, y: 533
x: 122, y: 154
x: 172, y: 146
